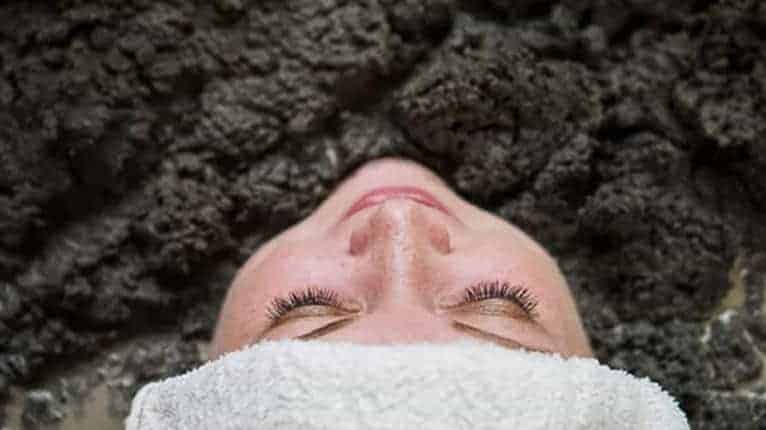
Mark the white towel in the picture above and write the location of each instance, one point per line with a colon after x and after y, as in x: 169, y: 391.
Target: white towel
x: 296, y: 384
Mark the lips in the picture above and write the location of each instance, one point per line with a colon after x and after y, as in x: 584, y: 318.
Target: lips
x: 380, y: 195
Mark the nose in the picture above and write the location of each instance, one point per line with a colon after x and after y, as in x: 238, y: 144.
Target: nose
x: 403, y: 241
x: 401, y: 231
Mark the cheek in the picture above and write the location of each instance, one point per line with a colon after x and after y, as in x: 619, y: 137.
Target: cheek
x: 518, y: 265
x: 563, y: 321
x: 235, y: 321
x: 244, y: 314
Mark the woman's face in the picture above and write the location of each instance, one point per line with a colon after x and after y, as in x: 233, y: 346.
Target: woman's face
x: 394, y: 256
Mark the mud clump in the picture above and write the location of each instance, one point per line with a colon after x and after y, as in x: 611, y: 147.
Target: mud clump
x: 147, y: 148
x: 41, y: 408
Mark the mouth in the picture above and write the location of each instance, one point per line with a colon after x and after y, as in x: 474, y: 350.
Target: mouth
x: 380, y: 195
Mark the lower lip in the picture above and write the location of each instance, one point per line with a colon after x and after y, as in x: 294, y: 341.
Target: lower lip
x: 378, y: 196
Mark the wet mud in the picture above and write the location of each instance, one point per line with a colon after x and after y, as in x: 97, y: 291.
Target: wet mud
x: 148, y: 147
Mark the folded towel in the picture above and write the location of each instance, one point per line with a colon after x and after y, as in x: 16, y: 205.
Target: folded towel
x: 295, y: 384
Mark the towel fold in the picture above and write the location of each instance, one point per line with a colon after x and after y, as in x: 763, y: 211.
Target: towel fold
x: 294, y: 384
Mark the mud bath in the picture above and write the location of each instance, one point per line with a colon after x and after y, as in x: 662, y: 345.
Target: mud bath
x: 148, y: 147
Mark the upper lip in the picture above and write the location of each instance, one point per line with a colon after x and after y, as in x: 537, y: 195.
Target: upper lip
x: 379, y: 195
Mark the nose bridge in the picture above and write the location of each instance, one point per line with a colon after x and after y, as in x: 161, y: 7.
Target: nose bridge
x: 406, y: 241
x: 400, y: 242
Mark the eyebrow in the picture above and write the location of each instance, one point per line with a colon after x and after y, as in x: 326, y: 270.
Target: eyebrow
x: 503, y: 341
x: 335, y: 325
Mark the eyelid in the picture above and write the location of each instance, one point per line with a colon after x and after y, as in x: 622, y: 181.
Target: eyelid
x: 496, y: 307
x: 309, y: 311
x: 481, y: 292
x: 296, y: 301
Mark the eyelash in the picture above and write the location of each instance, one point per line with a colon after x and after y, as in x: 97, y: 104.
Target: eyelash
x: 497, y: 290
x: 517, y: 294
x: 311, y: 296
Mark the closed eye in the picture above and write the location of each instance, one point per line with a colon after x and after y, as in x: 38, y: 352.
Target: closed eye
x: 484, y: 298
x: 281, y: 306
x: 493, y: 298
x: 480, y: 294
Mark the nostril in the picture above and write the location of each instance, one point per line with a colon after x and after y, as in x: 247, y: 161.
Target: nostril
x: 402, y: 222
x: 440, y: 239
x: 358, y: 242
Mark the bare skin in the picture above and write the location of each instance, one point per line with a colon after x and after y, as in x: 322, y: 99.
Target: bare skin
x: 385, y: 264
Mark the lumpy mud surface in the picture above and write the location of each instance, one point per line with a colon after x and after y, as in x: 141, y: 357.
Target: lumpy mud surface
x: 148, y: 147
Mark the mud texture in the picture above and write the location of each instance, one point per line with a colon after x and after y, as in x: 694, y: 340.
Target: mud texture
x: 148, y: 147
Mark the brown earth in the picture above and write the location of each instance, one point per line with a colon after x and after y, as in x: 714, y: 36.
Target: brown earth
x: 147, y: 147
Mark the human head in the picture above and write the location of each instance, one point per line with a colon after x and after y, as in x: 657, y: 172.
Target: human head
x: 393, y: 255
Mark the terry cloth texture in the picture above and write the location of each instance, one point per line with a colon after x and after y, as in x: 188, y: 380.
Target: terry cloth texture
x: 297, y: 384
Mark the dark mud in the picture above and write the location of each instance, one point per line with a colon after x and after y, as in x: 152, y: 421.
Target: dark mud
x: 148, y: 147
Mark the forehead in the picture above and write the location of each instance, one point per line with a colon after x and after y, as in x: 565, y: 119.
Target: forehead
x: 279, y: 243
x: 304, y: 260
